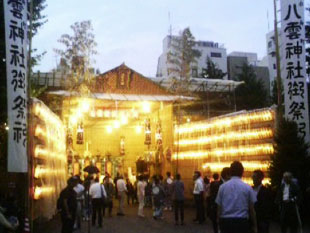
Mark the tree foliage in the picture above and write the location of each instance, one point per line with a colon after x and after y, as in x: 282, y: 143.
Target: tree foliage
x: 181, y: 57
x: 78, y: 50
x: 212, y: 71
x: 38, y: 20
x: 290, y: 155
x: 252, y: 94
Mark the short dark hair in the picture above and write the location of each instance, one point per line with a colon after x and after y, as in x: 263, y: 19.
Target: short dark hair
x: 225, y: 174
x: 72, y: 180
x: 168, y: 174
x: 260, y: 174
x: 236, y: 169
x: 215, y: 176
x: 178, y: 176
x: 198, y: 173
x: 206, y: 180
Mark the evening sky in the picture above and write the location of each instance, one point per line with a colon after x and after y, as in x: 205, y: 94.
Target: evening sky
x: 132, y: 31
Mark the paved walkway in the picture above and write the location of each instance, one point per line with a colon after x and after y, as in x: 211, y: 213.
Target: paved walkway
x: 131, y: 223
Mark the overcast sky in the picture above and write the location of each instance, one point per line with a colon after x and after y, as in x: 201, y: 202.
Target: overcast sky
x: 132, y: 31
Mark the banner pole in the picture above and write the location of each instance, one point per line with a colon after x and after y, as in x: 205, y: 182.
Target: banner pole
x: 29, y: 182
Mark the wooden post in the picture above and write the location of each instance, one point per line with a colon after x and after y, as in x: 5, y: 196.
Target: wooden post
x: 276, y: 35
x: 28, y: 183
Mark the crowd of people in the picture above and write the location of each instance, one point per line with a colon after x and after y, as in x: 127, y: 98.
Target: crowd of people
x: 232, y: 205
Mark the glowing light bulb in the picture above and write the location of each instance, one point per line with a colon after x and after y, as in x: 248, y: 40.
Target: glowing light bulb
x: 109, y: 129
x: 138, y: 129
x: 73, y: 120
x: 146, y: 107
x: 107, y: 114
x: 99, y: 113
x: 85, y: 105
x: 116, y: 124
x: 93, y: 113
x: 124, y: 120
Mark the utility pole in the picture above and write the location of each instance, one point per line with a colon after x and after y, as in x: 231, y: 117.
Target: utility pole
x: 29, y: 181
x: 276, y: 35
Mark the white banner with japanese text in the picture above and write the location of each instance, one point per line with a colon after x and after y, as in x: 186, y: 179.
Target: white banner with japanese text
x: 293, y: 64
x: 15, y: 13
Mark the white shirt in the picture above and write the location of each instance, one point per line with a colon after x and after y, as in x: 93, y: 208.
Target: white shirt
x: 121, y: 185
x: 141, y: 188
x: 198, y: 188
x: 79, y: 189
x: 286, y: 192
x: 95, y: 190
x: 169, y: 180
x: 234, y: 197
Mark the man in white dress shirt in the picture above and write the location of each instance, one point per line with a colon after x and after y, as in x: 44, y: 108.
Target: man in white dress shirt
x: 235, y: 200
x: 98, y: 194
x: 198, y: 196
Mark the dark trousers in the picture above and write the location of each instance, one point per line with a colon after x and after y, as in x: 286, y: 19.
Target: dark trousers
x: 97, y: 209
x: 262, y: 226
x: 234, y: 225
x: 130, y: 197
x: 67, y: 224
x: 179, y: 208
x: 289, y: 219
x: 215, y: 226
x: 108, y: 205
x: 200, y: 210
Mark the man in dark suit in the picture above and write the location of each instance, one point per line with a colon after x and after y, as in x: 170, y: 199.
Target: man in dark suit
x: 288, y: 197
x: 211, y: 205
x: 263, y: 206
x: 68, y: 205
x: 214, y: 188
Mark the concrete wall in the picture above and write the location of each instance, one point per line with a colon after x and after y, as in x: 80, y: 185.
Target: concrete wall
x: 205, y: 47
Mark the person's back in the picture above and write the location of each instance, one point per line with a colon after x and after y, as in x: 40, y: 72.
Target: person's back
x: 178, y: 196
x: 234, y: 195
x: 70, y: 196
x: 158, y: 194
x: 214, y: 188
x: 178, y: 190
x: 93, y: 190
x: 68, y: 205
x: 235, y: 201
x: 121, y: 185
x: 109, y: 188
x: 130, y: 188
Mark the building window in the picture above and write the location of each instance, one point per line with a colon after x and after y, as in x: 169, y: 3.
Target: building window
x: 216, y: 55
x: 269, y: 44
x: 194, y: 73
x: 274, y: 66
